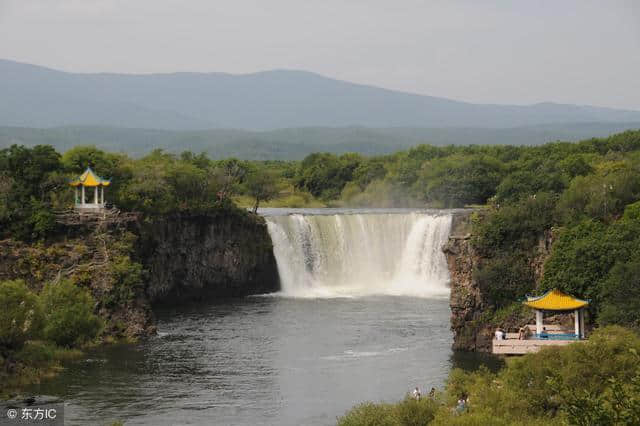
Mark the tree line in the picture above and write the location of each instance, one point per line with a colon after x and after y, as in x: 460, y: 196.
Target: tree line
x: 585, y: 194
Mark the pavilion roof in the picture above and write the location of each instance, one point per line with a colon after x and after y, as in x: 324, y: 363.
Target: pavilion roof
x: 89, y: 178
x: 555, y: 300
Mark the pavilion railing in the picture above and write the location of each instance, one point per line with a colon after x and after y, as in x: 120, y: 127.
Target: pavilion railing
x: 556, y: 336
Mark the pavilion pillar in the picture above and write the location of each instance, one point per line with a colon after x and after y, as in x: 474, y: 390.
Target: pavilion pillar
x: 95, y: 195
x: 538, y: 322
x: 75, y: 198
x: 577, y: 322
x: 82, y: 201
x: 582, y: 323
x: 102, y: 193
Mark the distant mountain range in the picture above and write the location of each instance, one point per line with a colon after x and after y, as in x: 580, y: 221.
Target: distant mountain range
x: 34, y: 96
x: 287, y: 144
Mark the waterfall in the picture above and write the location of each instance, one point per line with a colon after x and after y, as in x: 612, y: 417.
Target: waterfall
x: 354, y: 254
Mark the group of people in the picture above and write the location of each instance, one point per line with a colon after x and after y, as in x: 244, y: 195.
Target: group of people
x: 523, y: 333
x: 416, y: 393
x: 461, y: 406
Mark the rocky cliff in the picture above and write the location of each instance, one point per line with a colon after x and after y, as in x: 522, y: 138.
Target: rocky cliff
x: 469, y: 308
x: 98, y: 259
x: 466, y: 301
x: 192, y: 257
x: 130, y: 266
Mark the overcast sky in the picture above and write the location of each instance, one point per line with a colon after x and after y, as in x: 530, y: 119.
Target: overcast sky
x: 520, y: 52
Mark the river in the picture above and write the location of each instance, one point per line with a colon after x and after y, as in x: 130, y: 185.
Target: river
x: 363, y: 315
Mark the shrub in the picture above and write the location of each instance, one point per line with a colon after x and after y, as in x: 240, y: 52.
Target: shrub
x: 68, y: 313
x: 593, y: 382
x: 415, y: 413
x: 621, y: 295
x: 369, y: 414
x: 518, y: 225
x: 20, y: 315
x: 505, y: 278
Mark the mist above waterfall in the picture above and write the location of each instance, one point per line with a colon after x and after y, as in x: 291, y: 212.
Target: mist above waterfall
x: 361, y: 253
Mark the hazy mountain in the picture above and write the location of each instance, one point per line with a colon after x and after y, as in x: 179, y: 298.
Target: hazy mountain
x: 33, y: 96
x: 296, y: 143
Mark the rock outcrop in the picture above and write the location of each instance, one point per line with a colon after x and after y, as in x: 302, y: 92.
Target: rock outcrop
x: 168, y: 260
x: 195, y: 257
x: 97, y: 259
x: 468, y: 305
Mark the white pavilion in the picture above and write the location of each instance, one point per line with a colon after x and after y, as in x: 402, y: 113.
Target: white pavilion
x: 89, y: 193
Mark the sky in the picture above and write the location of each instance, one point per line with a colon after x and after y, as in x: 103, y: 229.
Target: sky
x: 506, y: 52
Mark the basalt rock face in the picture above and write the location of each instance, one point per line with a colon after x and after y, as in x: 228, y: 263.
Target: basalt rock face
x: 468, y: 304
x: 197, y: 257
x: 466, y: 301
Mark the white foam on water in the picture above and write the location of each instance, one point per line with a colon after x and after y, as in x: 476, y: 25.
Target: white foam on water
x: 354, y: 255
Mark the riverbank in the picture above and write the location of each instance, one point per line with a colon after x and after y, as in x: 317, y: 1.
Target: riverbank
x: 595, y: 382
x: 119, y: 272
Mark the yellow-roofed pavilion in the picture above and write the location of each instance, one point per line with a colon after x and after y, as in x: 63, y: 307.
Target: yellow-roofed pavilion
x: 89, y: 179
x: 557, y: 301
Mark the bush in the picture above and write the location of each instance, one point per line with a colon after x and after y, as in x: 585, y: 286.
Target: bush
x: 584, y: 255
x: 514, y: 226
x: 20, y: 315
x: 408, y: 412
x: 68, y: 313
x: 505, y: 278
x: 593, y: 382
x: 621, y: 295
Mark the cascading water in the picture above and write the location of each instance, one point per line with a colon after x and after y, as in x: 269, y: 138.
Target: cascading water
x: 361, y: 253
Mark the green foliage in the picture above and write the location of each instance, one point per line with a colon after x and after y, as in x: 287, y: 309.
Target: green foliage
x: 526, y: 183
x: 25, y: 190
x: 514, y: 226
x: 324, y: 175
x: 20, y: 316
x: 459, y: 180
x: 261, y: 185
x: 594, y: 382
x: 68, y: 314
x: 408, y: 412
x: 603, y: 196
x: 505, y: 278
x: 621, y: 295
x: 127, y: 281
x: 583, y: 257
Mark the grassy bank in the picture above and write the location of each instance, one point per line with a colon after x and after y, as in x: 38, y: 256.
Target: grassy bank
x: 36, y: 361
x: 596, y: 382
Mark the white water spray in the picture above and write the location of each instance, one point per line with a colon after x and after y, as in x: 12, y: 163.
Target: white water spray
x: 345, y: 255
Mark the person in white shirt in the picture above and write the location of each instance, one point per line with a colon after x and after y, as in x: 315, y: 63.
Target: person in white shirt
x: 416, y: 394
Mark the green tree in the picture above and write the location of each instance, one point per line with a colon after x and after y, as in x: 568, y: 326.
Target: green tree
x: 459, y: 180
x: 621, y: 295
x: 262, y: 186
x: 68, y: 314
x: 20, y: 316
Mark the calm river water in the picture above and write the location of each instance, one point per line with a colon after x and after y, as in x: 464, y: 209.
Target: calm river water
x: 263, y: 360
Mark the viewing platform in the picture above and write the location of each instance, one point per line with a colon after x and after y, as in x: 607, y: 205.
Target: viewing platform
x: 512, y: 345
x: 533, y: 337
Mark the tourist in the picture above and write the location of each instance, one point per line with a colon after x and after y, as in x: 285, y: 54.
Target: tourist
x: 544, y: 334
x: 462, y: 405
x: 499, y: 335
x: 416, y: 394
x: 522, y: 334
x: 432, y: 393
